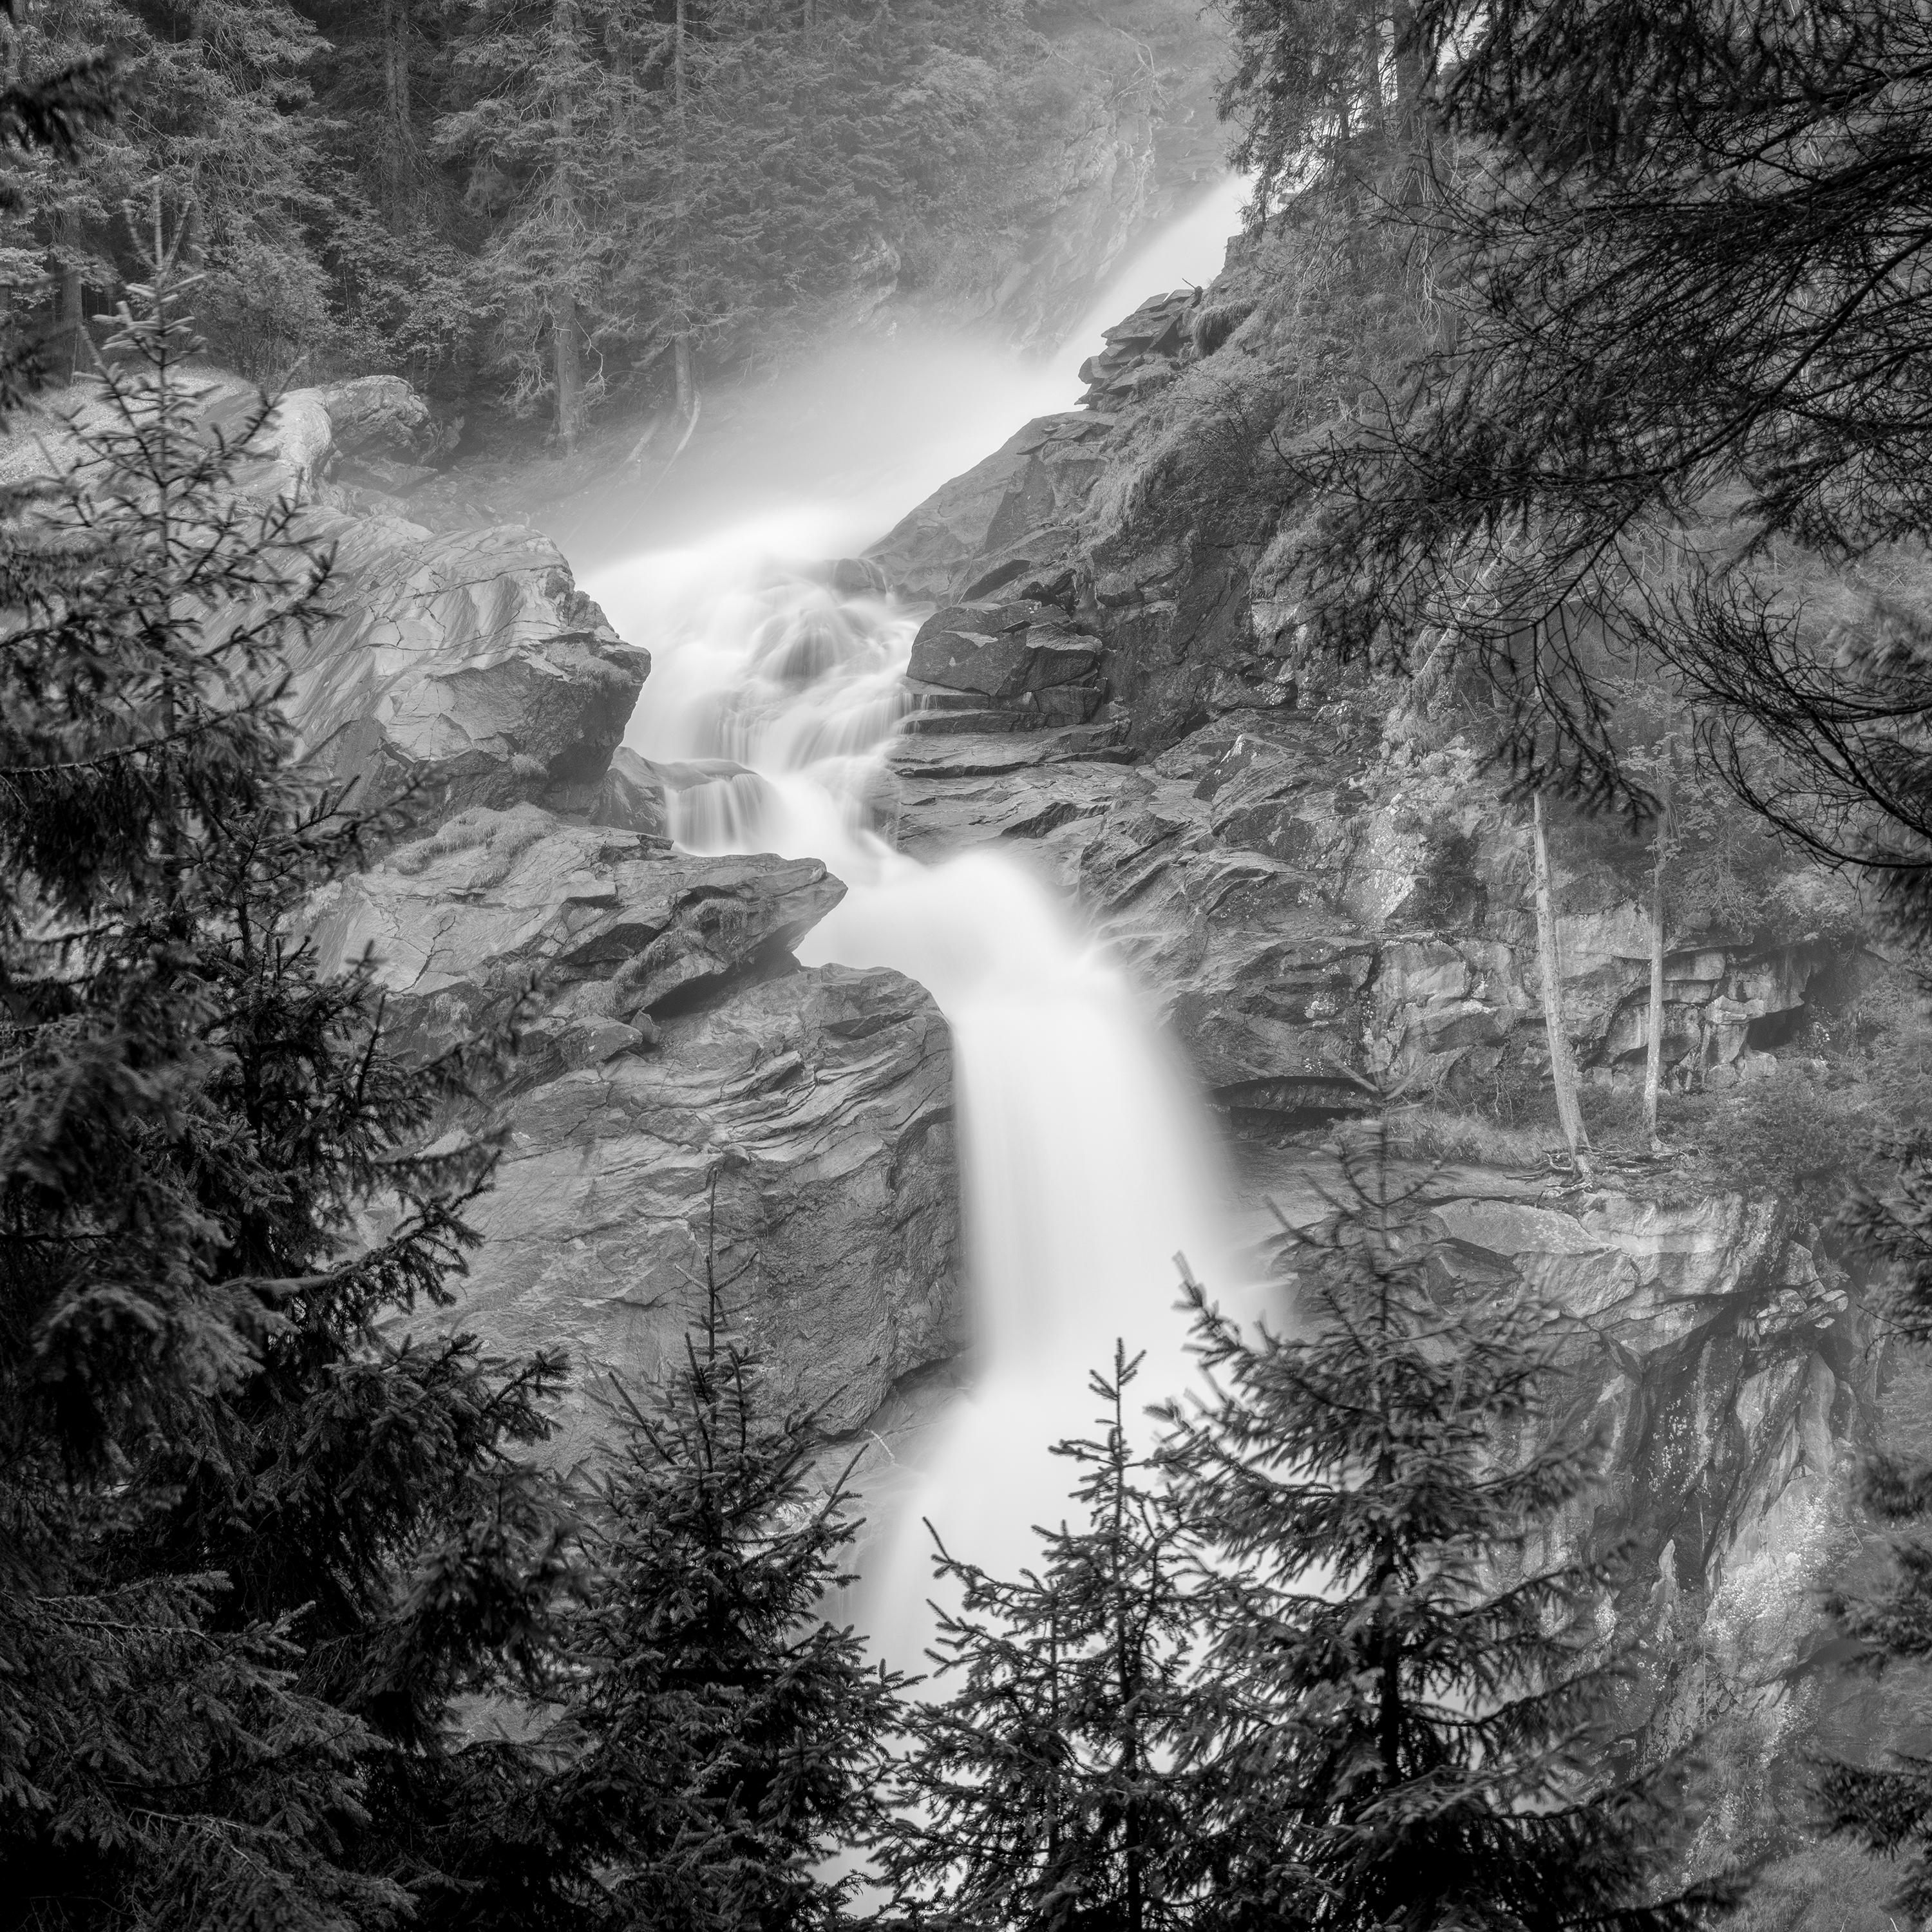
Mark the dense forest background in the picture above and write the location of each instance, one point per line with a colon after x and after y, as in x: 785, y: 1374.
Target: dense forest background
x: 536, y: 206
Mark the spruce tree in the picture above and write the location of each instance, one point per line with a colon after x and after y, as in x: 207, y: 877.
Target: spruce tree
x: 1408, y: 1703
x: 1048, y: 1790
x: 256, y: 1539
x: 721, y: 1740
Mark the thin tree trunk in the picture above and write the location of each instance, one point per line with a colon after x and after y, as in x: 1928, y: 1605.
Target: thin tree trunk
x: 1562, y: 1063
x: 1653, y: 1058
x: 569, y: 371
x: 398, y: 156
x: 566, y: 365
x: 69, y: 321
x: 687, y: 386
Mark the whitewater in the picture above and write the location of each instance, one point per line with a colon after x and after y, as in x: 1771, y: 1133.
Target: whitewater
x: 1087, y: 1161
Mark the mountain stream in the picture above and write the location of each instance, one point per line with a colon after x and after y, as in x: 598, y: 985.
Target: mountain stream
x: 1086, y: 1161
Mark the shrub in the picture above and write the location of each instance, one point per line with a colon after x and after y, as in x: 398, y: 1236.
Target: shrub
x: 1786, y: 1136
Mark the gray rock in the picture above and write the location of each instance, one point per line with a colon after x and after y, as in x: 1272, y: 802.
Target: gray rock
x: 614, y: 924
x: 1007, y: 518
x: 632, y: 797
x: 1001, y: 650
x: 462, y: 670
x: 814, y: 1110
x: 672, y: 1046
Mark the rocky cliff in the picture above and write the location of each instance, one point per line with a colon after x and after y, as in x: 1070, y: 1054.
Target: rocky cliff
x: 1321, y: 885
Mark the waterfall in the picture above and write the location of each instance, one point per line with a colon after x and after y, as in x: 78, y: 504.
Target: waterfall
x: 1087, y: 1160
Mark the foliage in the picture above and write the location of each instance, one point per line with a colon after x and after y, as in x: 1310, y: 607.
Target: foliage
x: 1047, y: 1789
x: 1790, y: 1137
x: 257, y: 1539
x: 1325, y: 92
x: 1412, y: 1709
x: 1677, y: 416
x: 720, y: 1740
x: 419, y: 185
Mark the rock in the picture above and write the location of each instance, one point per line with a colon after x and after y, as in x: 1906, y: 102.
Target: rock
x: 673, y: 1043
x: 615, y: 926
x: 1007, y: 517
x: 851, y: 577
x: 1001, y: 650
x: 818, y: 1105
x: 464, y: 669
x: 632, y: 797
x: 1142, y: 351
x: 375, y: 416
x: 1017, y: 666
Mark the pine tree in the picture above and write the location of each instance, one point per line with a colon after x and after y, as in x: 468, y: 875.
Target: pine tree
x: 1048, y: 1790
x: 1409, y: 1701
x: 721, y: 1740
x: 256, y: 1539
x: 216, y: 113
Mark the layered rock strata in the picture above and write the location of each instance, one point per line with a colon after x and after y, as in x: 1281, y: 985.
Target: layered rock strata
x: 1018, y: 666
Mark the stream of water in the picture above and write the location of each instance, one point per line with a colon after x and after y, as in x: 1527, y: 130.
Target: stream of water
x: 1086, y: 1161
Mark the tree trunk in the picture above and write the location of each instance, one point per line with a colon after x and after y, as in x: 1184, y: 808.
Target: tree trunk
x: 569, y: 370
x: 398, y: 157
x: 1562, y: 1063
x: 566, y: 365
x: 687, y: 387
x: 64, y: 357
x: 1653, y: 1058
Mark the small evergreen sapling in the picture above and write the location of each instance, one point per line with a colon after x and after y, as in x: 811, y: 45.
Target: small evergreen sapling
x: 1045, y: 1791
x: 1406, y: 1697
x: 726, y: 1740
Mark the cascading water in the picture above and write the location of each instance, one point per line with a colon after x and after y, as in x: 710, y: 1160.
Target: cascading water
x: 1086, y: 1162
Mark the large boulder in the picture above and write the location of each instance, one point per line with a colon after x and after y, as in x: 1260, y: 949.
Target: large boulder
x: 1019, y: 665
x: 615, y: 929
x: 796, y: 1137
x: 461, y: 670
x: 676, y: 1065
x: 1001, y: 650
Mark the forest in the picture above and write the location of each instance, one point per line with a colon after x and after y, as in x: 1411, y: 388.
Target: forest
x: 1600, y: 421
x: 528, y: 207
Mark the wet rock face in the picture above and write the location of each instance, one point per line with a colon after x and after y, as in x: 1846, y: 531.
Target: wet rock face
x: 684, y: 1097
x: 619, y: 929
x: 1018, y: 666
x: 1732, y: 1372
x: 1313, y: 941
x: 1006, y: 525
x: 674, y: 1054
x: 462, y: 670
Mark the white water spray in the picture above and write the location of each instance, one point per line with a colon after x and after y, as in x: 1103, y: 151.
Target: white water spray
x: 1087, y: 1162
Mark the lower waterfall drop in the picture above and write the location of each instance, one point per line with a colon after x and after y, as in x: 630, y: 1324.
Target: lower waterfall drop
x: 1086, y: 1161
